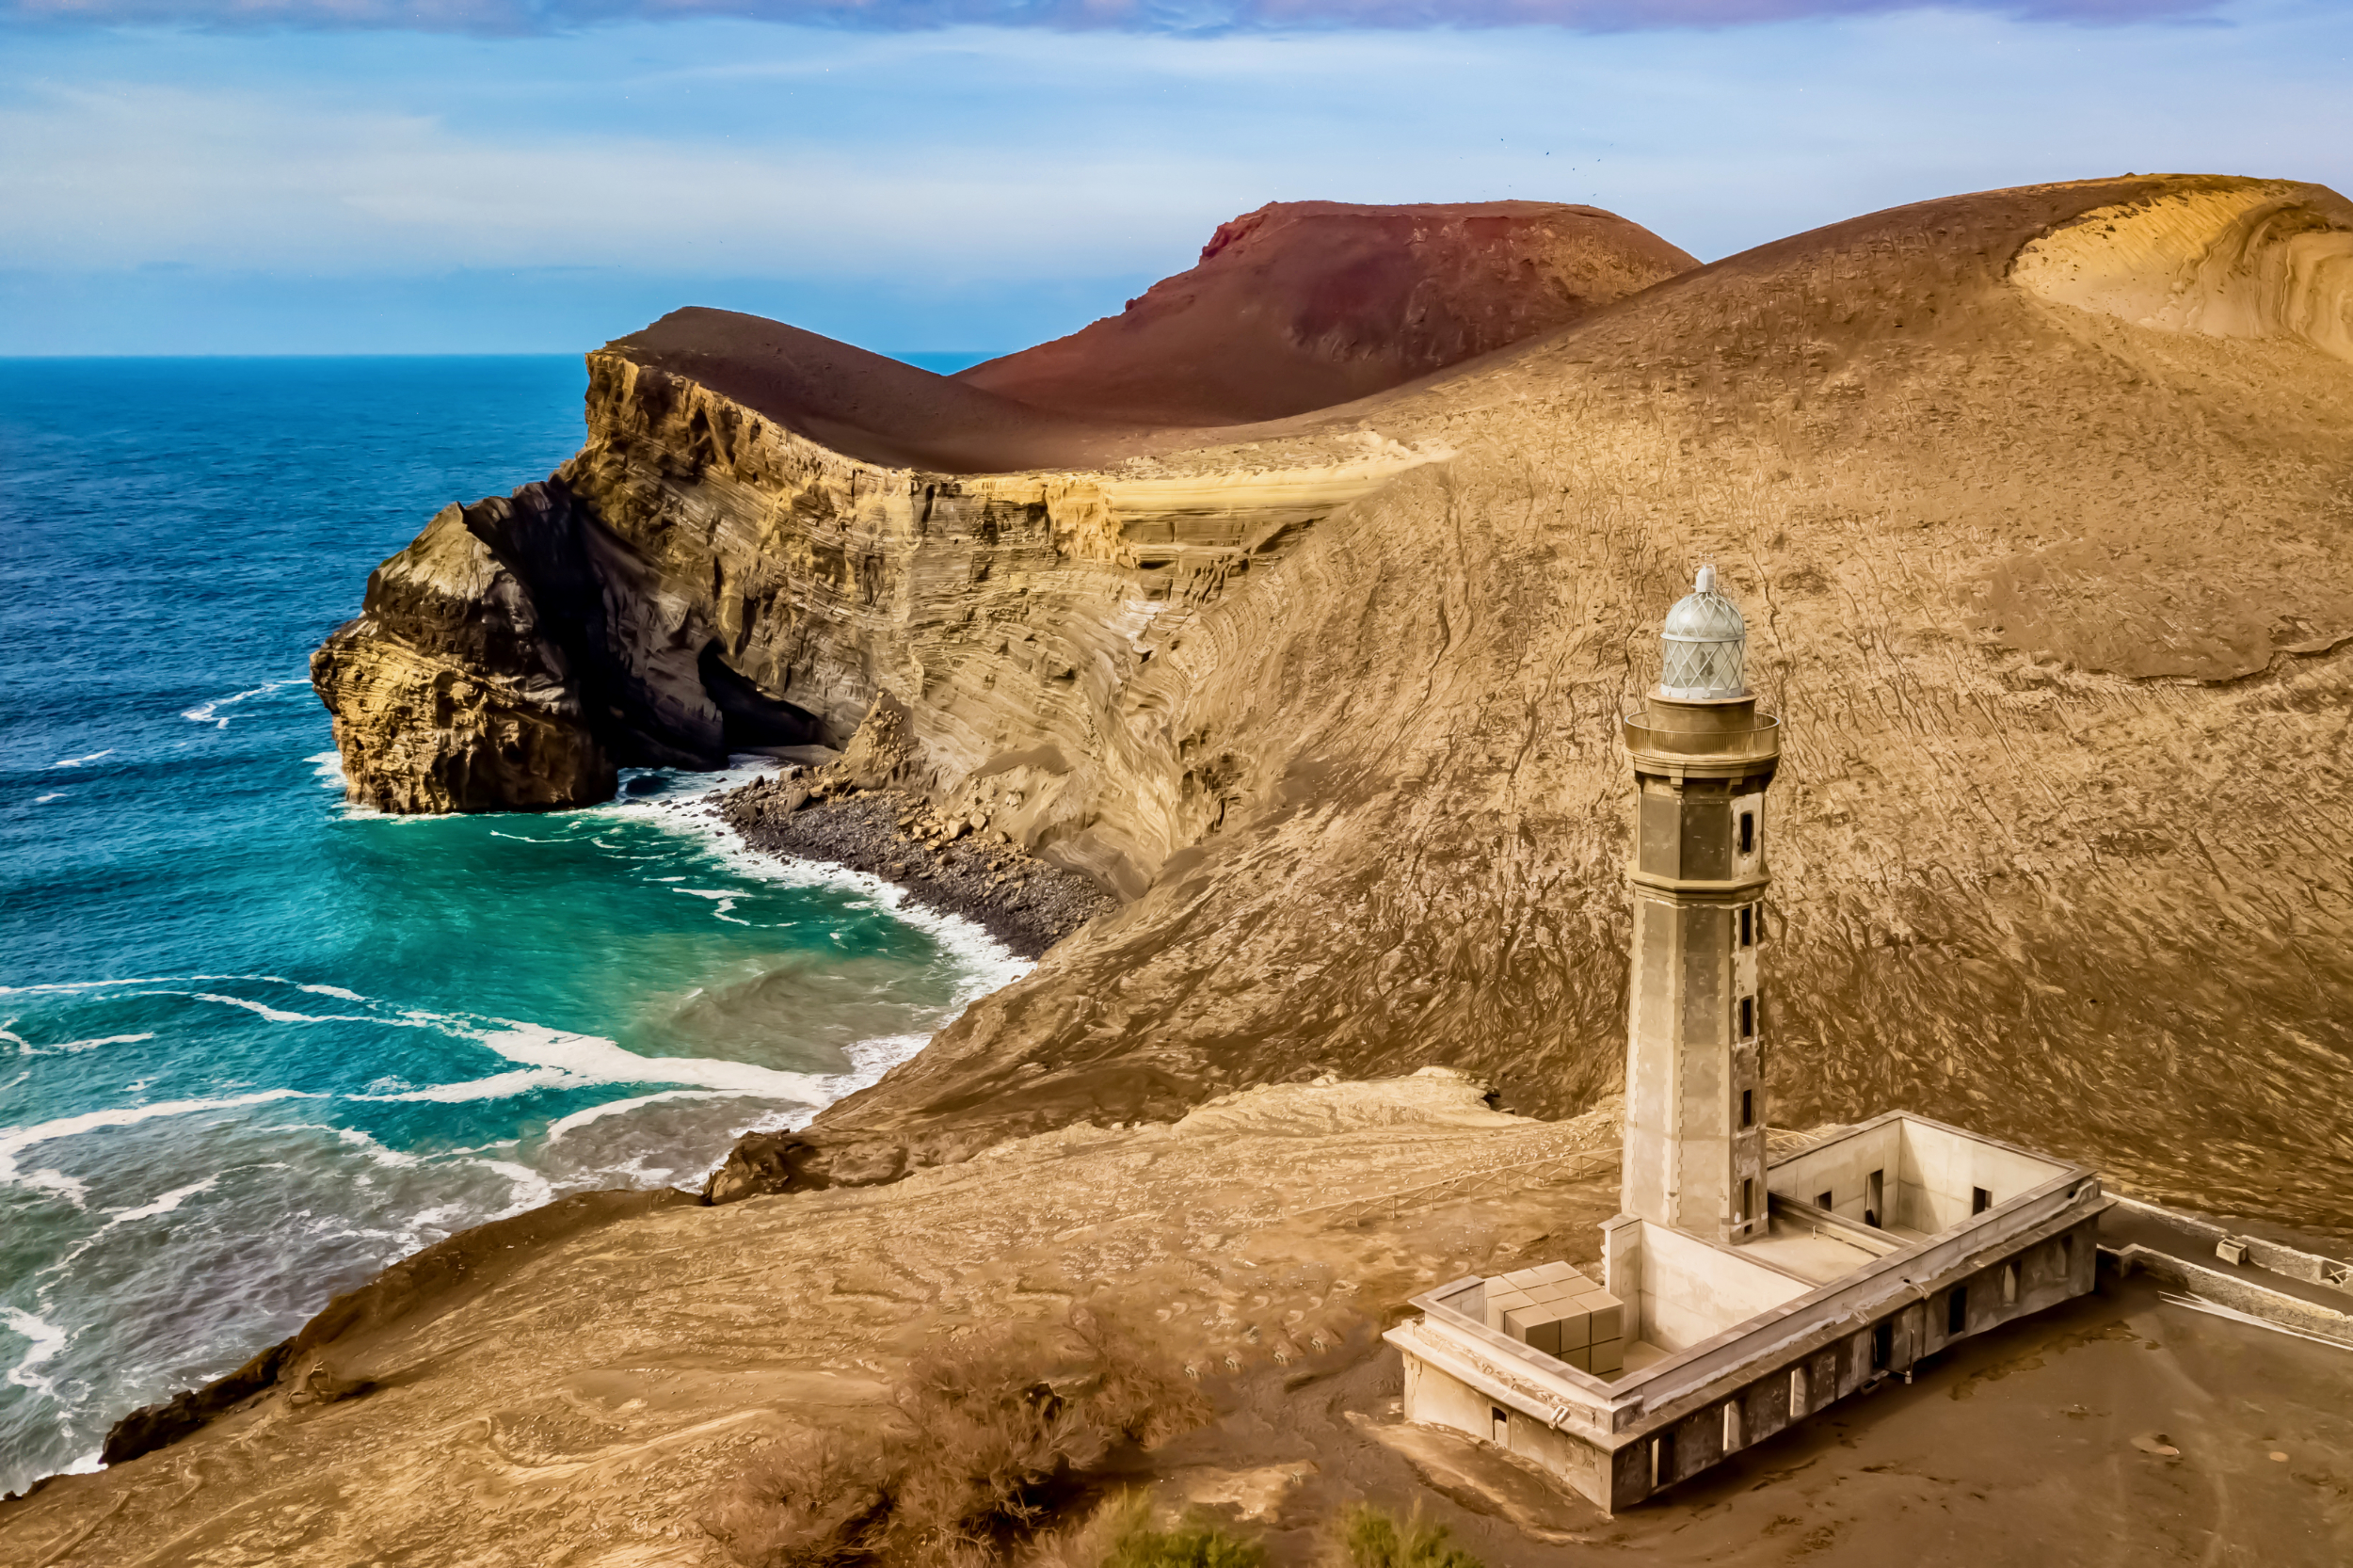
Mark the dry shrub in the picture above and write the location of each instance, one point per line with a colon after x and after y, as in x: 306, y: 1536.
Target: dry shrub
x: 997, y: 1447
x: 1120, y: 1534
x: 1374, y: 1538
x: 815, y: 1499
x: 1002, y: 1428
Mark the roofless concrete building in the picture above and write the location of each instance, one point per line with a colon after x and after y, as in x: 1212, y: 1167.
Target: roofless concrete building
x: 1741, y: 1293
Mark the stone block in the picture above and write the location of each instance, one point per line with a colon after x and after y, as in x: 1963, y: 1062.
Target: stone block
x: 1607, y: 1312
x: 1606, y: 1357
x: 1579, y: 1358
x: 1555, y: 1273
x: 1576, y: 1330
x: 1502, y: 1299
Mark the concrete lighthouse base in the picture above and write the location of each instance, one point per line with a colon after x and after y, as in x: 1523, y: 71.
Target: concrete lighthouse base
x: 1729, y: 1344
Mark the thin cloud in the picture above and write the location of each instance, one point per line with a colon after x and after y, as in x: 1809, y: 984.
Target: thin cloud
x: 1193, y: 17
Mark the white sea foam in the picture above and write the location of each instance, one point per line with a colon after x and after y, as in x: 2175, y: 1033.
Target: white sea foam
x: 15, y: 1140
x: 162, y: 1204
x: 724, y: 897
x: 79, y: 985
x: 100, y: 1040
x: 588, y: 1060
x: 77, y: 761
x: 54, y: 794
x: 209, y: 712
x: 531, y: 1188
x: 47, y: 1340
x: 25, y: 1048
x: 327, y: 766
x: 987, y: 964
x: 335, y: 991
x: 577, y: 1119
x: 498, y: 1086
x: 279, y: 1015
x: 366, y: 1143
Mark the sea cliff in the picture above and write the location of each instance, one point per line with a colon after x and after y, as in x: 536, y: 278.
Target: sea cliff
x: 1330, y: 703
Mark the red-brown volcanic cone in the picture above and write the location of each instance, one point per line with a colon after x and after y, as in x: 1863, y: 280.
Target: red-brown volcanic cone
x: 1303, y: 304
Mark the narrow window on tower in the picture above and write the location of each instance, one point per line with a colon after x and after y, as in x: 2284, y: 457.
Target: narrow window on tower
x: 1748, y: 833
x: 1748, y: 925
x: 1748, y: 1107
x: 1979, y: 1200
x: 1748, y: 1017
x: 1957, y: 1311
x: 1747, y: 1199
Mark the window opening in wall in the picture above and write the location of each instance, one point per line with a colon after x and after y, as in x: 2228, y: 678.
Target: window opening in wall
x: 1732, y: 1426
x: 1883, y: 1345
x: 1748, y: 1017
x: 1748, y: 833
x: 1797, y: 1392
x: 1748, y: 925
x: 1747, y: 1198
x: 1957, y: 1310
x: 1499, y: 1421
x: 1822, y: 1200
x: 1979, y: 1200
x: 2009, y: 1284
x: 1663, y: 1459
x: 1874, y: 1192
x: 1748, y: 1107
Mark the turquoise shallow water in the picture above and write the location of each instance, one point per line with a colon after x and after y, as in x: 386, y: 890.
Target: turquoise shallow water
x: 255, y: 1043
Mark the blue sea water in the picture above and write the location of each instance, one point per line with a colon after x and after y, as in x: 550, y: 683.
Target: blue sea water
x: 255, y: 1043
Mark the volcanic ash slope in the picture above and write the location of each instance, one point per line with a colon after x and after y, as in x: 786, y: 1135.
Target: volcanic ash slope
x: 2037, y: 502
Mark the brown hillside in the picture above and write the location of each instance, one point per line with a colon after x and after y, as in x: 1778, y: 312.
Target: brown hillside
x: 2038, y: 501
x: 1304, y: 304
x: 2057, y: 607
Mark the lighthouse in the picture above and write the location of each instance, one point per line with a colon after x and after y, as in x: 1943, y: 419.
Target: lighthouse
x: 1695, y: 1041
x: 1741, y: 1293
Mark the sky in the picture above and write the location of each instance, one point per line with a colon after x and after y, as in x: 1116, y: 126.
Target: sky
x: 539, y: 176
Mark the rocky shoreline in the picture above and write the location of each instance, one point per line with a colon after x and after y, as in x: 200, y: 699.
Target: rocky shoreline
x: 953, y: 865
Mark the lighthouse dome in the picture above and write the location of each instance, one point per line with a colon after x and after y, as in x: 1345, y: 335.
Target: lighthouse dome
x: 1705, y: 645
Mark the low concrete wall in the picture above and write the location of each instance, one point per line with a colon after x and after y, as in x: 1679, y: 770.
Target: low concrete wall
x: 1942, y: 1169
x: 1840, y: 1168
x: 1436, y: 1398
x: 1928, y: 1172
x: 1692, y: 1292
x: 2228, y: 1289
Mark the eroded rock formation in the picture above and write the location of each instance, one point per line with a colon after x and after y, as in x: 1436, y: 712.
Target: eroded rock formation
x: 2053, y: 599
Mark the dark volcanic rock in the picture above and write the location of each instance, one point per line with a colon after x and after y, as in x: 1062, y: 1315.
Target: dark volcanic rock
x: 894, y: 833
x: 155, y: 1425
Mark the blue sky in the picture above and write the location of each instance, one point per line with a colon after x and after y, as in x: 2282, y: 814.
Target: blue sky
x: 294, y: 176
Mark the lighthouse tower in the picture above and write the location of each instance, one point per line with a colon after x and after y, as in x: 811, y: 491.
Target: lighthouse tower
x: 1741, y: 1297
x: 1694, y: 1072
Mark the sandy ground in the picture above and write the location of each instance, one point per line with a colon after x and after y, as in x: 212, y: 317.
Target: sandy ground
x: 574, y: 1401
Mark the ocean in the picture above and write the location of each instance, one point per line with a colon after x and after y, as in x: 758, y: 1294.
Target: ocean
x: 254, y: 1043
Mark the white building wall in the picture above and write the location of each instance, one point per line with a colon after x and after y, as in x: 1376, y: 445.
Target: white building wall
x: 1694, y: 1291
